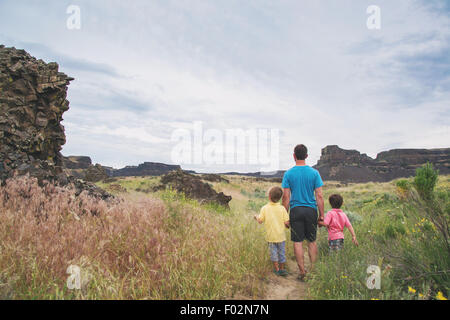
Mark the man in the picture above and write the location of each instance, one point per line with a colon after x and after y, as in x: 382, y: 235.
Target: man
x: 302, y: 193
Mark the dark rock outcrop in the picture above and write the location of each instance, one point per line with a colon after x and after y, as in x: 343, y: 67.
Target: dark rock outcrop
x: 193, y: 187
x: 145, y: 169
x: 95, y: 173
x: 77, y: 162
x: 260, y: 175
x: 351, y: 166
x: 211, y: 177
x: 81, y: 167
x: 32, y: 102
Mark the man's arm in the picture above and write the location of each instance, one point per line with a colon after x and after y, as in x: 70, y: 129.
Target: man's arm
x: 319, y: 201
x: 286, y: 198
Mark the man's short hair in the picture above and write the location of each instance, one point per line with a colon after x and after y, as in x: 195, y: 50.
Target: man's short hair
x: 336, y: 201
x: 275, y: 194
x: 301, y: 152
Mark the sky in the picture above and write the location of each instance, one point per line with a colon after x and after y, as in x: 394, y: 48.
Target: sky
x: 311, y: 71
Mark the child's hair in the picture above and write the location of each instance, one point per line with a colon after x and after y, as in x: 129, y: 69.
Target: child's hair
x: 336, y: 201
x: 275, y: 194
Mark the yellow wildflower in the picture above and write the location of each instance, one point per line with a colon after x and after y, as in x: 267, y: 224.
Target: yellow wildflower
x: 440, y: 296
x: 411, y: 290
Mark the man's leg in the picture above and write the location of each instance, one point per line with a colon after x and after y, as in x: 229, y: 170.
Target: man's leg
x: 312, y: 252
x: 311, y: 234
x: 299, y: 255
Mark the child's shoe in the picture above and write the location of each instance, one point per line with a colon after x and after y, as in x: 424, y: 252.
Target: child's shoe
x: 283, y: 273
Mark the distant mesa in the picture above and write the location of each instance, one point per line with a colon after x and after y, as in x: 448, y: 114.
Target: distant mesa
x: 335, y: 164
x: 259, y: 174
x: 338, y: 164
x: 145, y: 169
x: 77, y: 162
x: 82, y: 168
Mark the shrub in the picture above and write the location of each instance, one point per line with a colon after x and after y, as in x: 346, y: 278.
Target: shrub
x: 403, y: 187
x: 354, y: 217
x: 425, y: 181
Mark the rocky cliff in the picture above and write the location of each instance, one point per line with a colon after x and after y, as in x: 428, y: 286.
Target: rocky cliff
x: 32, y: 102
x: 352, y: 166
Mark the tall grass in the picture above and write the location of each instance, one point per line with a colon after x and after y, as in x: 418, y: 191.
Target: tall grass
x: 403, y: 229
x: 137, y: 248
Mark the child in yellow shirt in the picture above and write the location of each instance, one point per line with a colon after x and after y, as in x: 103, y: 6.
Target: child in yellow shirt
x: 275, y: 219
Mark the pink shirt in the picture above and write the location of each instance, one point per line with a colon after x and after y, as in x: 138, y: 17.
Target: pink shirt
x: 336, y: 220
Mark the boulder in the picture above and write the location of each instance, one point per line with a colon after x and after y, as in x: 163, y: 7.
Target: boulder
x: 193, y: 187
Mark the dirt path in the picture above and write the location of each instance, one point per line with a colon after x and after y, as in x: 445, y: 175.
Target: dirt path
x: 287, y: 288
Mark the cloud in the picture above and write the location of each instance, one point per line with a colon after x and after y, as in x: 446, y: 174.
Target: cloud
x: 312, y: 70
x: 66, y: 62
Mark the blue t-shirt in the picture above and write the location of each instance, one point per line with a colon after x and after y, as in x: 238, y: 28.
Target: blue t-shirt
x: 302, y: 180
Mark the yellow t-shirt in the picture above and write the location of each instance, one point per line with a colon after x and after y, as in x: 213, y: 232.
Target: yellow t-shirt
x: 274, y: 215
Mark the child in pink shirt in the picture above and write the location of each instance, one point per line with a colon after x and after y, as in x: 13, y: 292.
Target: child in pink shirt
x: 335, y: 221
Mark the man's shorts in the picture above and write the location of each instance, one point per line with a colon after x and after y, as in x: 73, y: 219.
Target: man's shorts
x: 303, y: 221
x: 336, y: 245
x: 278, y: 251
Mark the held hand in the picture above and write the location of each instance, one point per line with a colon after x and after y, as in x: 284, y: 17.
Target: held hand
x: 355, y: 241
x: 320, y: 222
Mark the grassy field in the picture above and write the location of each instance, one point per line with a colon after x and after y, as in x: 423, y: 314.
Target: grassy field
x: 161, y: 245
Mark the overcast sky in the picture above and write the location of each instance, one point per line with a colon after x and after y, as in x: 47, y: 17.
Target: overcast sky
x: 311, y: 69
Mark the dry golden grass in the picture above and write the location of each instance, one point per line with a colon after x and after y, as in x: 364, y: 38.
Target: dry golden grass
x: 136, y: 248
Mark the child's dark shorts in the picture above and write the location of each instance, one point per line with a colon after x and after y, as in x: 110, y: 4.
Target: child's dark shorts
x: 336, y: 245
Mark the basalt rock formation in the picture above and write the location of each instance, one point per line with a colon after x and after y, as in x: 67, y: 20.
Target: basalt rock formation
x: 351, y: 166
x: 193, y: 187
x: 262, y: 176
x: 81, y: 167
x: 32, y: 102
x: 77, y: 162
x: 145, y: 169
x: 211, y: 177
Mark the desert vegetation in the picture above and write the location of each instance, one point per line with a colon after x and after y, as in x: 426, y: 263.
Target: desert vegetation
x: 150, y: 244
x: 402, y: 227
x: 161, y: 246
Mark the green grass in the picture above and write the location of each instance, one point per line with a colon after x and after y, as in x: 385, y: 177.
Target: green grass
x: 165, y: 246
x: 395, y: 233
x: 133, y: 184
